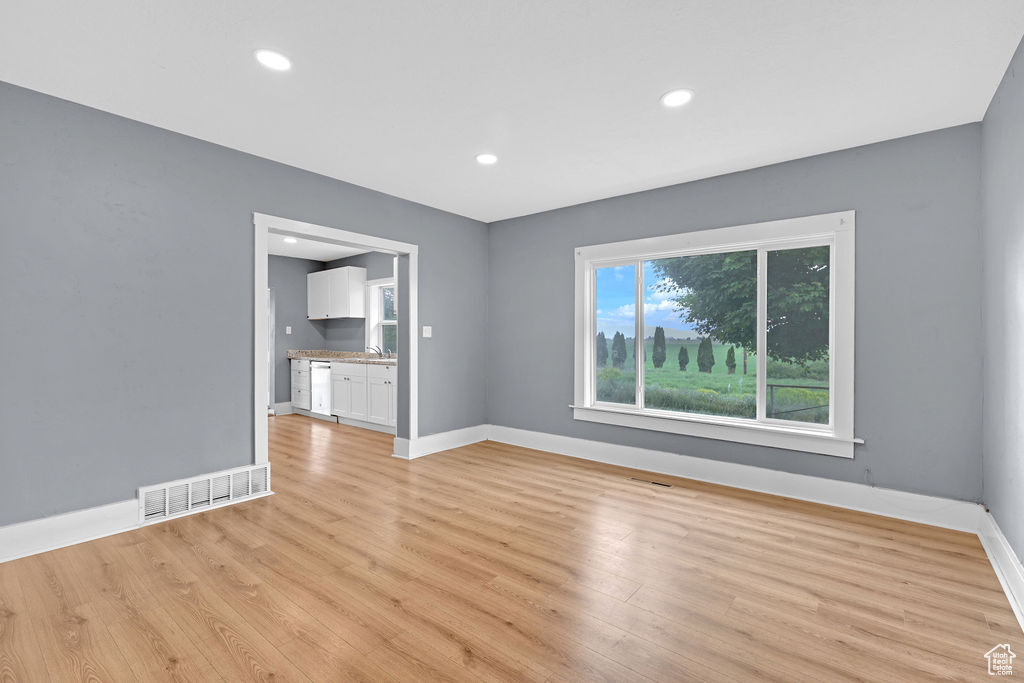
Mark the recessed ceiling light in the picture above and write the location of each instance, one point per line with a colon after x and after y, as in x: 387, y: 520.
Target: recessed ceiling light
x: 676, y: 98
x: 273, y: 60
x: 486, y: 159
x: 290, y: 240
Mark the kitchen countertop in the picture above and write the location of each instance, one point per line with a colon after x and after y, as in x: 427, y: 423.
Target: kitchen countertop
x: 361, y: 357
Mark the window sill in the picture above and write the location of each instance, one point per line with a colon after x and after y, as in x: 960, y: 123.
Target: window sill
x: 725, y: 429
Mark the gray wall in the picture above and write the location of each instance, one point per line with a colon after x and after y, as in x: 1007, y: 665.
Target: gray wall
x: 126, y: 267
x: 349, y: 334
x: 918, y: 380
x: 1003, y: 242
x: 287, y: 278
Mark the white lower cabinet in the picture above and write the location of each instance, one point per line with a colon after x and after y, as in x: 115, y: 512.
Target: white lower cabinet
x: 383, y: 394
x: 379, y: 403
x: 348, y: 390
x: 359, y: 391
x: 301, y: 395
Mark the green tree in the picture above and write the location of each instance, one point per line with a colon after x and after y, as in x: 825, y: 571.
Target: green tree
x: 684, y: 358
x: 730, y: 360
x: 717, y: 294
x: 705, y: 355
x: 602, y: 350
x: 618, y: 350
x: 658, y: 350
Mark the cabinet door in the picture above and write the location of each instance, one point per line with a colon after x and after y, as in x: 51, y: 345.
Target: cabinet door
x: 341, y: 396
x: 358, y: 392
x: 393, y: 411
x: 301, y: 397
x: 318, y: 295
x: 380, y: 400
x: 337, y: 279
x: 357, y: 293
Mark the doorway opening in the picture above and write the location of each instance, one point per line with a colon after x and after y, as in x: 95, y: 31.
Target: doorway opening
x: 345, y: 302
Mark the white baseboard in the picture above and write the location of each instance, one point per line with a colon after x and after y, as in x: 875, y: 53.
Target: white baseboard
x: 58, y: 531
x: 443, y: 441
x: 1006, y: 563
x: 914, y: 507
x: 362, y: 424
x: 402, y: 449
x: 283, y: 408
x: 315, y: 416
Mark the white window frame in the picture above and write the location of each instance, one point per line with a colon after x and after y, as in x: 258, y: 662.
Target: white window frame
x: 374, y: 313
x: 835, y: 230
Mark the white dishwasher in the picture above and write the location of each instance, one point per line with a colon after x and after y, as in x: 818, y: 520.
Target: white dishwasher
x: 320, y: 387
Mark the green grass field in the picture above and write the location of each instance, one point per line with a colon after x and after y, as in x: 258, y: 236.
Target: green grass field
x: 718, y: 392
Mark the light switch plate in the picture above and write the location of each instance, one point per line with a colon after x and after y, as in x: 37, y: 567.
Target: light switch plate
x: 428, y: 331
x: 288, y: 329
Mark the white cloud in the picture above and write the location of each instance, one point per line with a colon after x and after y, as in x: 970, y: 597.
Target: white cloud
x: 625, y: 311
x: 629, y: 310
x: 652, y: 307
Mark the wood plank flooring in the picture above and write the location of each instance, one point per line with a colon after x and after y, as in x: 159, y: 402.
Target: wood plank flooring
x: 498, y: 563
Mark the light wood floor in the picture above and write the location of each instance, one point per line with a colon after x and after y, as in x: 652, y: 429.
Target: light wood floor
x: 493, y: 562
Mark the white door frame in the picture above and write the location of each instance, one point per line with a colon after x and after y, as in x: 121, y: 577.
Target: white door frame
x: 264, y: 225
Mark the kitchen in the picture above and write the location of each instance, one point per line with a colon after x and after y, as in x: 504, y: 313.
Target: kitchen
x: 333, y: 333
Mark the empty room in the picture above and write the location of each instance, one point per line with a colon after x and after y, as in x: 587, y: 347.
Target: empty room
x: 499, y: 341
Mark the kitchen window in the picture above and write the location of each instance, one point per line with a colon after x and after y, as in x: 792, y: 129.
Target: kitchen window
x: 388, y: 319
x: 382, y: 315
x: 742, y: 333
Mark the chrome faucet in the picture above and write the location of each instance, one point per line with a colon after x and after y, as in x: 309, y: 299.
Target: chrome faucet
x: 377, y: 350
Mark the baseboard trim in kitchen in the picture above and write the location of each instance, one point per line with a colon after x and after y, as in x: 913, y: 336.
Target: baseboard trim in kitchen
x: 366, y: 425
x: 317, y: 416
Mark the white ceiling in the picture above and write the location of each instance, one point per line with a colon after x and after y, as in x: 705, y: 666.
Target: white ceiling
x: 399, y: 96
x: 308, y: 249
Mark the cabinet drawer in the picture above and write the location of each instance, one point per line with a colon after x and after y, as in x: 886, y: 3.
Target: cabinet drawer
x: 348, y: 369
x: 300, y: 381
x: 301, y: 398
x: 299, y: 364
x: 383, y: 371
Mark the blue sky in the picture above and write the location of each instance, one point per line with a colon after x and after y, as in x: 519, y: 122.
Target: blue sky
x: 616, y: 303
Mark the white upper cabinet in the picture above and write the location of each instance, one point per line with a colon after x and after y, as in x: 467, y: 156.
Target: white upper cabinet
x: 336, y: 293
x: 318, y: 300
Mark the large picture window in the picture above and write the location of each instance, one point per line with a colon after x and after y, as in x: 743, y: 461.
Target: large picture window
x: 741, y: 333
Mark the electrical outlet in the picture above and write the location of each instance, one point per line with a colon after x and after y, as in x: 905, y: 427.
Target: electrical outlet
x: 288, y: 329
x: 428, y: 331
